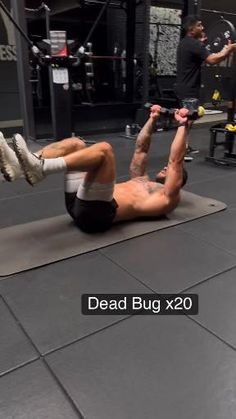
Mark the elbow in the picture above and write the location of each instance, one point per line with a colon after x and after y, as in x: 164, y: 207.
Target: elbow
x: 211, y: 59
x: 176, y: 161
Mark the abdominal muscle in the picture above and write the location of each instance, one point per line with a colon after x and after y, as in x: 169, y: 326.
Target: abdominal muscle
x: 131, y: 196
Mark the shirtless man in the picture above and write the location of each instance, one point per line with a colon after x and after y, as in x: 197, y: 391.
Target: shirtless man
x: 92, y: 198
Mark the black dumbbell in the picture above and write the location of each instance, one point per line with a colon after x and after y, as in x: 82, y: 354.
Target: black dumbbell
x: 192, y: 115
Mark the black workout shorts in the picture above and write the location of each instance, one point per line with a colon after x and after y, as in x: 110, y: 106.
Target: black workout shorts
x: 91, y: 216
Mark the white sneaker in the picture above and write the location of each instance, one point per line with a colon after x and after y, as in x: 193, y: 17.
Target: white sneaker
x: 188, y: 158
x: 9, y: 164
x: 31, y: 165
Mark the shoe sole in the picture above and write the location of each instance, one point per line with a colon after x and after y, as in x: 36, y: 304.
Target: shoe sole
x: 4, y: 170
x: 188, y: 158
x: 17, y: 150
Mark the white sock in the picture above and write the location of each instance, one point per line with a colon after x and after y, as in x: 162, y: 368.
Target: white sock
x: 54, y: 165
x: 73, y: 181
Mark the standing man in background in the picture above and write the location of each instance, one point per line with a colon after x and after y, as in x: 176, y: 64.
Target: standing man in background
x: 191, y: 54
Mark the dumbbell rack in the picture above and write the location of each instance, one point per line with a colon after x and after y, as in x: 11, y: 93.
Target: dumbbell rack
x: 229, y: 158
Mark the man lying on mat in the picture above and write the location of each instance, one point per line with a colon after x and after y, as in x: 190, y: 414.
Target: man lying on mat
x: 92, y: 197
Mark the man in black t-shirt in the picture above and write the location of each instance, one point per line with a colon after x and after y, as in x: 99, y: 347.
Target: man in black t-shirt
x: 191, y: 53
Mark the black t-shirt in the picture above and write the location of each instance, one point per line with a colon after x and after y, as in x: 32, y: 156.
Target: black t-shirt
x: 190, y: 55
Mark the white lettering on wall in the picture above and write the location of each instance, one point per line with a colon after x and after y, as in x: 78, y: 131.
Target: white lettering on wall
x: 7, y: 53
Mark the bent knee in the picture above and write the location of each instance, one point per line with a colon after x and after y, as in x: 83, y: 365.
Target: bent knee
x: 78, y: 143
x: 70, y: 145
x: 106, y: 148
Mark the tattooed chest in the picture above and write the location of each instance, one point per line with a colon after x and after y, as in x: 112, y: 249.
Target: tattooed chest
x: 151, y: 187
x: 143, y: 184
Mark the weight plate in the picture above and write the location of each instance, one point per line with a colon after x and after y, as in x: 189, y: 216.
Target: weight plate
x: 219, y: 34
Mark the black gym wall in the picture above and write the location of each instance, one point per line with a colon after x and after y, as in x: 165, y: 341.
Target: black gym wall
x: 10, y: 115
x: 224, y: 6
x: 116, y: 20
x: 112, y: 27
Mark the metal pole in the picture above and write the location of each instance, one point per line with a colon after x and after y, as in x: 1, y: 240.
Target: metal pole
x: 47, y: 19
x: 88, y: 37
x: 23, y: 71
x: 6, y: 11
x: 218, y: 12
x: 130, y: 48
x: 191, y: 7
x: 146, y: 35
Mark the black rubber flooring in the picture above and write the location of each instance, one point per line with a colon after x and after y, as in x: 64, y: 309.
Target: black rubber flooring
x: 56, y: 363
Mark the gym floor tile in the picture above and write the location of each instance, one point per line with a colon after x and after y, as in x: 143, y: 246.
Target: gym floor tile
x: 169, y: 260
x: 219, y: 188
x: 145, y: 367
x: 32, y: 393
x: 7, y: 190
x: 31, y: 207
x: 47, y: 301
x: 199, y: 171
x: 20, y: 186
x: 15, y: 348
x: 217, y: 310
x: 150, y: 367
x: 218, y: 229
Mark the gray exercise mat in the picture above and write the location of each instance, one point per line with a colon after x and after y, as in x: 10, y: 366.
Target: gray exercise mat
x: 38, y: 243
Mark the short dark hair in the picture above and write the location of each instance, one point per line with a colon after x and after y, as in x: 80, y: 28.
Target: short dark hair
x: 189, y: 21
x: 185, y: 177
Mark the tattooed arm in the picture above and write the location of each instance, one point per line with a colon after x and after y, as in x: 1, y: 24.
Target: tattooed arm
x: 174, y: 176
x: 139, y: 160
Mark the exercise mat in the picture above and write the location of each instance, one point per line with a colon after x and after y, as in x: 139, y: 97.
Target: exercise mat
x: 38, y: 243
